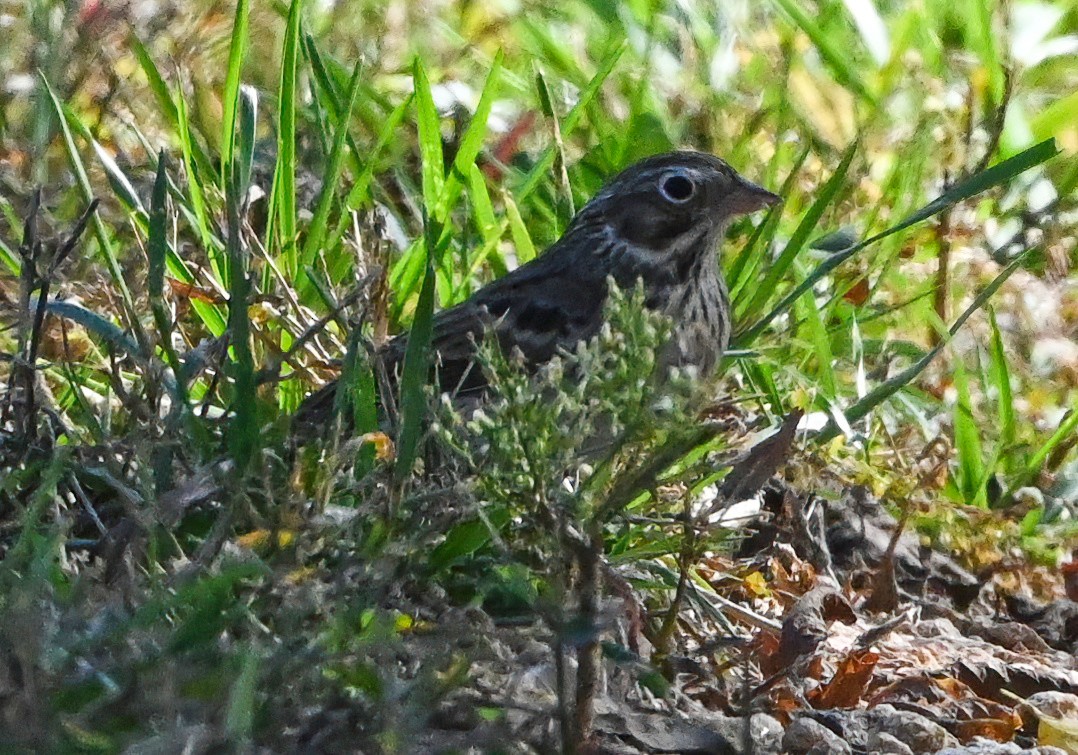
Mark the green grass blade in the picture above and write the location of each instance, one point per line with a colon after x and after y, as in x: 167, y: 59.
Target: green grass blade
x: 316, y: 231
x: 243, y: 429
x: 482, y: 207
x: 470, y: 143
x: 282, y: 202
x: 157, y: 250
x: 360, y: 398
x: 416, y: 371
x: 9, y: 259
x: 328, y: 95
x: 430, y: 139
x: 1067, y: 428
x: 967, y: 441
x: 157, y: 241
x: 244, y: 156
x: 163, y: 94
x: 522, y: 239
x: 160, y: 89
x: 120, y: 183
x: 237, y: 53
x: 360, y: 193
x: 752, y: 256
x: 821, y: 341
x: 243, y: 698
x: 194, y: 191
x: 981, y: 34
x: 1001, y: 379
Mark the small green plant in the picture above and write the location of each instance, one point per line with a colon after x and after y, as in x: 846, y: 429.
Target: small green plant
x: 561, y: 460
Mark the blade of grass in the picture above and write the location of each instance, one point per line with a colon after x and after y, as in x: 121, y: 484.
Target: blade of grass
x: 243, y: 429
x: 407, y: 273
x: 360, y: 190
x: 360, y: 398
x: 328, y: 95
x: 751, y: 257
x: 522, y: 239
x: 157, y: 252
x: 163, y: 95
x: 316, y: 231
x: 563, y: 201
x: 430, y: 139
x: 482, y: 207
x: 416, y: 370
x: 237, y: 53
x: 243, y: 697
x: 282, y: 202
x: 821, y: 341
x: 967, y: 441
x: 470, y: 143
x: 210, y: 315
x: 120, y: 183
x: 9, y: 259
x: 980, y: 31
x: 244, y: 158
x: 1001, y: 379
x: 1067, y: 428
x: 194, y: 190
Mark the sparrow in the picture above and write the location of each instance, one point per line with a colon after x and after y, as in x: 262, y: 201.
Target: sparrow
x: 658, y: 222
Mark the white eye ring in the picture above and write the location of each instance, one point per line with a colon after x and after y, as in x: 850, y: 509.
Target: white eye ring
x: 677, y: 188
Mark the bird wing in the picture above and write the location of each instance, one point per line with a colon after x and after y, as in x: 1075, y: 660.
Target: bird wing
x: 538, y: 309
x: 551, y: 303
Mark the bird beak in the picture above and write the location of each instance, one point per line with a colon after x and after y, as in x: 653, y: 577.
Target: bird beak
x: 746, y: 197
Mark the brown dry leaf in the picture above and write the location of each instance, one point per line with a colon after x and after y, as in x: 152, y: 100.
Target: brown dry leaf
x: 798, y: 579
x: 191, y: 291
x: 858, y: 292
x: 998, y: 729
x: 765, y: 649
x: 849, y: 683
x: 1070, y: 577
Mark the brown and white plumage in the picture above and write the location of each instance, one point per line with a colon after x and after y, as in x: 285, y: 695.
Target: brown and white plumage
x: 658, y: 221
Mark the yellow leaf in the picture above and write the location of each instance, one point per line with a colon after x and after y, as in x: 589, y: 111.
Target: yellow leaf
x: 255, y: 540
x: 1058, y: 732
x: 757, y: 584
x: 383, y: 445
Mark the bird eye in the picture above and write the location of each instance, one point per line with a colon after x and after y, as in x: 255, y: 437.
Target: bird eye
x: 677, y: 188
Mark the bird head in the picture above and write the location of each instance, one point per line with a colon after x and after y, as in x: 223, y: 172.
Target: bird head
x: 674, y: 201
